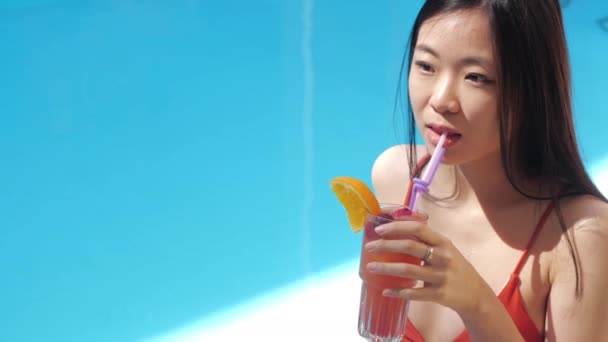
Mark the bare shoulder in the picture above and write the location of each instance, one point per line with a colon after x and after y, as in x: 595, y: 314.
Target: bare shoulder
x: 580, y: 317
x: 586, y: 215
x: 391, y: 173
x: 586, y: 220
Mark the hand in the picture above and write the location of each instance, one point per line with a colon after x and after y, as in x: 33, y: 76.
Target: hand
x: 449, y: 279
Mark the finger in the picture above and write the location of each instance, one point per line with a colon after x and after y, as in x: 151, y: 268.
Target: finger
x: 404, y: 246
x: 422, y: 294
x: 410, y: 229
x: 405, y: 270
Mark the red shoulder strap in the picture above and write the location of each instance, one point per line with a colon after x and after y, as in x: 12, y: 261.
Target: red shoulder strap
x: 539, y: 226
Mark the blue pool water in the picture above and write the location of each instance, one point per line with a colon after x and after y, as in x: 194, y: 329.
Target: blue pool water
x: 167, y: 162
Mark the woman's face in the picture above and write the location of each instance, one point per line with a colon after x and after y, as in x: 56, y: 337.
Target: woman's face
x: 452, y: 86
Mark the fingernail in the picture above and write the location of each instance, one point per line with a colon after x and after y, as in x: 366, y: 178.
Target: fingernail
x: 390, y: 293
x: 370, y: 246
x: 372, y: 266
x: 380, y: 229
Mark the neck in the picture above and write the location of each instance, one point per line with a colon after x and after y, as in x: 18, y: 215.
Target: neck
x: 478, y: 182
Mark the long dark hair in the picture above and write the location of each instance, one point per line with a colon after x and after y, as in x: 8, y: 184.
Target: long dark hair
x: 537, y: 136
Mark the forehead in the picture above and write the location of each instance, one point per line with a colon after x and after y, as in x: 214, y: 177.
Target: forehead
x: 458, y: 33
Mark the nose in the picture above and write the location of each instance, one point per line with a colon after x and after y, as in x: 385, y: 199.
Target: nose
x: 445, y: 99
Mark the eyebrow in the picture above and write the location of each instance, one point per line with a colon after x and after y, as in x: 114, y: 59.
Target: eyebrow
x: 469, y: 60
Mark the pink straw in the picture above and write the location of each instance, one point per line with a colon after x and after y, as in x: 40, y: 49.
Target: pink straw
x: 422, y: 184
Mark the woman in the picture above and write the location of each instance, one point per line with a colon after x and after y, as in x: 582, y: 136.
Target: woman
x: 515, y: 243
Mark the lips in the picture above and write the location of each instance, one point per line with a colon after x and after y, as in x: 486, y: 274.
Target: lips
x: 440, y: 129
x: 434, y: 132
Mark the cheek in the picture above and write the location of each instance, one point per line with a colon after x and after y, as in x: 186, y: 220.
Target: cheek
x: 477, y: 100
x: 482, y: 116
x: 417, y: 94
x: 481, y: 110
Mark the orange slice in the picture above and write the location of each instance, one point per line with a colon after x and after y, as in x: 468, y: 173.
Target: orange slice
x: 357, y: 199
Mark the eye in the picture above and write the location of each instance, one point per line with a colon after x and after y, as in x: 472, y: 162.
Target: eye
x: 424, y: 67
x: 478, y: 78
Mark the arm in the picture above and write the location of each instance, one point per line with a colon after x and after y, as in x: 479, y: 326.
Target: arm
x: 449, y: 280
x: 486, y: 319
x: 583, y: 317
